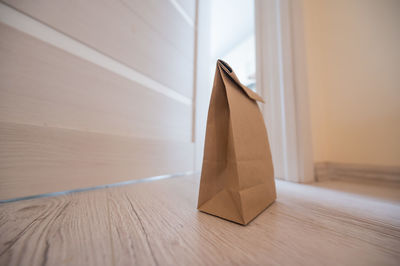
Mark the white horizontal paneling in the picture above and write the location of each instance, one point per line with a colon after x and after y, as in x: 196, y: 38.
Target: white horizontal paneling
x: 43, y: 85
x: 169, y: 20
x: 32, y: 27
x: 189, y: 7
x: 36, y: 160
x: 186, y: 9
x: 93, y: 93
x: 149, y: 36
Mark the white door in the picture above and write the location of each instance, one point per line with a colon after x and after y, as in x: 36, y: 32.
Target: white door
x: 94, y: 92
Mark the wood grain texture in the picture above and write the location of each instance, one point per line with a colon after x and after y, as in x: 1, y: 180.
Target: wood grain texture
x: 149, y: 36
x: 43, y: 85
x: 348, y: 171
x: 36, y: 159
x: 157, y: 224
x: 381, y: 190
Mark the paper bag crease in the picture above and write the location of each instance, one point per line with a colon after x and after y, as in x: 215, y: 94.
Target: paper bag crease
x: 237, y: 181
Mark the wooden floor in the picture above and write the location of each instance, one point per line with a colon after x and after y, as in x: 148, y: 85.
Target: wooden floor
x: 156, y: 223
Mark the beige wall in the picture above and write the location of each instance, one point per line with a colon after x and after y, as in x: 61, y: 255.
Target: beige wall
x: 353, y: 55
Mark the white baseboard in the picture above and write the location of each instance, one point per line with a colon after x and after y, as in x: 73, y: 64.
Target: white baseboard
x: 332, y: 170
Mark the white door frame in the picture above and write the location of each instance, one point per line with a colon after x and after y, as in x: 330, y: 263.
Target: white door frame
x: 282, y: 77
x: 202, y: 82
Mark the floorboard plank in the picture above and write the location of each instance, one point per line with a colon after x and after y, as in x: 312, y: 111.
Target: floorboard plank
x: 157, y: 223
x: 71, y: 229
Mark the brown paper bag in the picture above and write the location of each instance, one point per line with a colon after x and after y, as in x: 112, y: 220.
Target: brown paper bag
x: 237, y: 179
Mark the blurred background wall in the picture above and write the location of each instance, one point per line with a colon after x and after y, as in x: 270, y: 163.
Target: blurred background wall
x: 354, y: 80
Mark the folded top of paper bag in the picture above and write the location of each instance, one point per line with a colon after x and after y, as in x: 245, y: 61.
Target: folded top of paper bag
x: 251, y: 94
